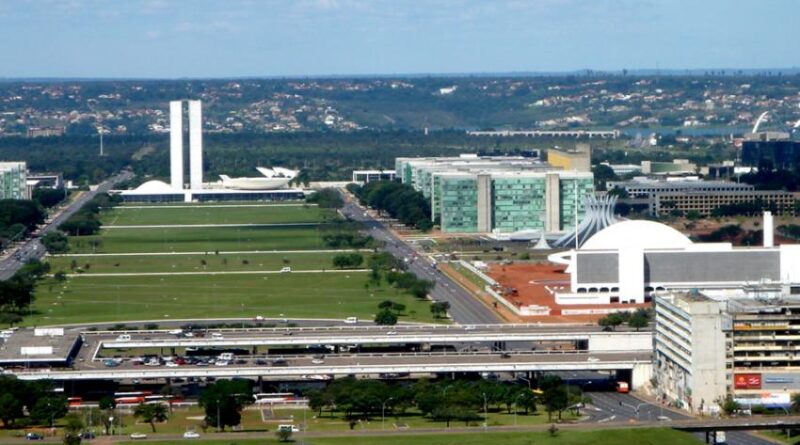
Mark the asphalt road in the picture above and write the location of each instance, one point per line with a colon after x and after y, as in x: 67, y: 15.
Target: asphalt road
x: 464, y: 307
x: 32, y: 248
x: 615, y: 407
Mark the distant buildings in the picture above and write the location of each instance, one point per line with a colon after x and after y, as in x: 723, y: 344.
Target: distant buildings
x: 36, y: 132
x: 13, y: 180
x: 676, y: 167
x: 579, y: 159
x: 778, y: 154
x: 472, y: 194
x: 365, y: 176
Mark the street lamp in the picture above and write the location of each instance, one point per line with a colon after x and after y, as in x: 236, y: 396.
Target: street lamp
x: 527, y: 380
x: 383, y: 412
x: 446, y: 408
x: 485, y: 412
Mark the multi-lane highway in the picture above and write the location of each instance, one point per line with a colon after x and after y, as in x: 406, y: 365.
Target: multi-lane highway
x: 464, y: 307
x: 32, y: 249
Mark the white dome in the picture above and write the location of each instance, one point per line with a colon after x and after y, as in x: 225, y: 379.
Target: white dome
x: 154, y: 186
x: 637, y: 233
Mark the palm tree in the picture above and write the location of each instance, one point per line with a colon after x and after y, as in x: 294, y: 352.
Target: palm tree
x: 151, y: 413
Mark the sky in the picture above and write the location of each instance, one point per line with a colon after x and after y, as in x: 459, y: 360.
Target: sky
x: 243, y: 38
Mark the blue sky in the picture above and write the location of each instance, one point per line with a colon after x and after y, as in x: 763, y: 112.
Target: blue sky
x: 232, y: 38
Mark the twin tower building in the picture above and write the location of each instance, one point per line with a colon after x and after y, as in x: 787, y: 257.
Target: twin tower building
x: 176, y: 134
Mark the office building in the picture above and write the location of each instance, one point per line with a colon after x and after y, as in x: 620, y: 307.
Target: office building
x: 365, y: 176
x: 579, y: 159
x: 779, y: 154
x: 13, y: 180
x: 472, y: 194
x: 676, y: 167
x: 704, y: 203
x: 708, y: 348
x: 641, y: 187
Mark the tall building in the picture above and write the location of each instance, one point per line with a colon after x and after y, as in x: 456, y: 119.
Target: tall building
x: 579, y: 159
x: 13, y: 180
x: 472, y: 194
x: 195, y: 144
x: 709, y: 348
x: 783, y: 154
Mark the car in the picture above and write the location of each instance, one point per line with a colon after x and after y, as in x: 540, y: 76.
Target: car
x: 176, y: 332
x: 34, y: 436
x: 286, y: 269
x: 258, y: 318
x: 87, y: 435
x: 217, y: 336
x: 469, y: 328
x: 201, y: 363
x: 191, y: 435
x: 505, y: 354
x: 291, y: 428
x: 279, y: 362
x: 110, y: 363
x: 351, y: 320
x: 188, y: 334
x: 124, y: 337
x: 222, y: 363
x: 318, y: 361
x: 138, y: 436
x: 172, y: 365
x: 391, y: 333
x: 260, y: 361
x: 592, y: 359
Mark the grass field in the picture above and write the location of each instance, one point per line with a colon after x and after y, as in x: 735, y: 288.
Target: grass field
x: 198, y: 239
x: 319, y: 295
x: 650, y: 436
x: 194, y: 263
x: 123, y: 216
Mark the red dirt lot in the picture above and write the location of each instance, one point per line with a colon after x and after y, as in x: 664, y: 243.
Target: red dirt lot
x: 531, y: 282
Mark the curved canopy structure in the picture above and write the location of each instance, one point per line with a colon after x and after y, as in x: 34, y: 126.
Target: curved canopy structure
x: 637, y: 233
x: 599, y: 215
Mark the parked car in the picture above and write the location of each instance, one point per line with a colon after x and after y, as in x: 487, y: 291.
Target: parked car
x: 286, y: 269
x: 138, y: 436
x: 191, y: 435
x: 34, y: 436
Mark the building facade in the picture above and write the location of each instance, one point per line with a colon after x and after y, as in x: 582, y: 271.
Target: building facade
x: 778, y: 154
x: 705, y: 202
x: 13, y: 180
x: 365, y: 176
x: 498, y: 194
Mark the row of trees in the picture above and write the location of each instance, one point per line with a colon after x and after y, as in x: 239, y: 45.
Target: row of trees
x: 86, y: 221
x: 401, y: 201
x: 25, y: 403
x: 327, y: 198
x: 443, y: 400
x: 18, y: 217
x: 638, y: 319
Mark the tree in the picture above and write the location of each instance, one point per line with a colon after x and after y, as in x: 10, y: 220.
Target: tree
x: 638, y: 320
x: 611, y: 321
x: 283, y: 434
x: 10, y: 409
x: 555, y: 400
x: 348, y: 260
x: 730, y: 406
x: 55, y: 242
x: 46, y: 409
x: 386, y: 317
x: 439, y: 308
x: 327, y: 198
x: 224, y: 400
x: 151, y: 413
x: 73, y: 423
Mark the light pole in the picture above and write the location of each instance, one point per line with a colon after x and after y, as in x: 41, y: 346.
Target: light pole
x: 527, y: 380
x: 218, y: 419
x: 446, y: 408
x: 383, y: 412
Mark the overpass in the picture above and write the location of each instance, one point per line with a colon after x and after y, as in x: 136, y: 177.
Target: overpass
x: 593, y: 337
x: 603, y: 134
x: 638, y: 363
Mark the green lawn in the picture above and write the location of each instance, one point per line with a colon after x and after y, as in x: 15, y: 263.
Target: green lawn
x: 199, y: 239
x: 319, y: 295
x: 650, y: 436
x: 123, y: 216
x: 194, y: 263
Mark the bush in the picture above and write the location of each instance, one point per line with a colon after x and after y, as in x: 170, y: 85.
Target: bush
x: 55, y: 242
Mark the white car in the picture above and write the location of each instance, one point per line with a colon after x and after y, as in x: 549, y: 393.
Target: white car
x: 138, y: 436
x: 172, y: 365
x: 351, y: 320
x: 191, y: 435
x: 222, y: 363
x: 391, y: 333
x: 217, y: 336
x: 176, y: 332
x: 318, y: 361
x: 124, y: 337
x: 286, y: 269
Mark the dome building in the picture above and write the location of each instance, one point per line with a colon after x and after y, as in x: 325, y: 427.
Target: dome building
x: 629, y: 261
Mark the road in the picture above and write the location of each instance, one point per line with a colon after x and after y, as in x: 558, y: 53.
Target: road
x: 614, y: 407
x: 464, y: 307
x: 32, y: 248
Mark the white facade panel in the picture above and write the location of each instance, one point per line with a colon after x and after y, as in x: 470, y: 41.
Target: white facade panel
x: 790, y: 263
x: 195, y: 145
x: 631, y: 274
x: 36, y: 350
x: 176, y: 144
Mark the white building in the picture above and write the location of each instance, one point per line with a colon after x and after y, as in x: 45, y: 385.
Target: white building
x: 629, y: 261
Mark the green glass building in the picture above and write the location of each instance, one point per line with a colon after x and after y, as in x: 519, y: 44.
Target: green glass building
x: 13, y: 180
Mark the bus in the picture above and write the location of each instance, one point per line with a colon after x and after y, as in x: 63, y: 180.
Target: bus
x: 74, y: 401
x: 623, y: 387
x: 273, y: 397
x: 131, y: 397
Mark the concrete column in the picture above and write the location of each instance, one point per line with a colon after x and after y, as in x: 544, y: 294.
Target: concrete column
x: 552, y: 203
x: 769, y: 230
x: 176, y: 144
x: 484, y: 183
x: 195, y: 145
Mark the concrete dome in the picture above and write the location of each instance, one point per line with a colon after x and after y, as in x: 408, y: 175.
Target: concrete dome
x: 637, y: 233
x: 154, y: 186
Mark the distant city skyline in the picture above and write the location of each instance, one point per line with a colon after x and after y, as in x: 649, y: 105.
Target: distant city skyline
x: 252, y: 38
